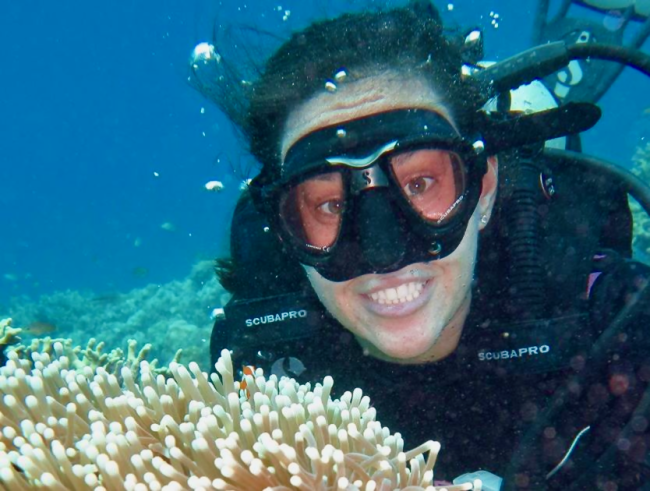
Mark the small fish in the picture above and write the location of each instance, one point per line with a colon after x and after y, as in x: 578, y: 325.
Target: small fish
x: 246, y: 370
x: 137, y: 242
x: 38, y: 328
x: 169, y: 226
x: 646, y: 110
x: 140, y: 271
x: 10, y: 277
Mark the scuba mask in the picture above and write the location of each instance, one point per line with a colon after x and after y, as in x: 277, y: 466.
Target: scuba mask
x: 375, y: 194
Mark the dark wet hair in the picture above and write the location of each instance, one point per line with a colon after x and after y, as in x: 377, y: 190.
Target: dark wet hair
x: 408, y: 39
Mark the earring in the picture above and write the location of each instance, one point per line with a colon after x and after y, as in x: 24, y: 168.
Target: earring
x: 485, y: 219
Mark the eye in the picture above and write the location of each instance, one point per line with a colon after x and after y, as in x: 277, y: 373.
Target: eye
x: 418, y: 185
x: 332, y: 207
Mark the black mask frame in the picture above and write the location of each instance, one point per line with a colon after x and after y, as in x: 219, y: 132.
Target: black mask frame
x: 381, y: 232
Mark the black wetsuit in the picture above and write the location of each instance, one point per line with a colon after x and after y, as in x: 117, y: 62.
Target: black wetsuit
x: 515, y: 418
x: 498, y: 419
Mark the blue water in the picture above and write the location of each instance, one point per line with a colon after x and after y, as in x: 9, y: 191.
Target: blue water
x: 102, y: 140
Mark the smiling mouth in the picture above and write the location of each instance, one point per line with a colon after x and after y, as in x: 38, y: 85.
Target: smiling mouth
x: 406, y: 292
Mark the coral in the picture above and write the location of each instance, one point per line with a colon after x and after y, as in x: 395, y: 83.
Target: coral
x: 641, y: 242
x: 171, y: 316
x: 67, y: 428
x: 92, y: 355
x: 8, y: 335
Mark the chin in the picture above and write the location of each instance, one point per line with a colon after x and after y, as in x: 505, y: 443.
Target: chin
x: 404, y: 351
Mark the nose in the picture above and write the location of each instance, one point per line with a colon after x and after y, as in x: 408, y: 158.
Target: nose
x: 380, y: 230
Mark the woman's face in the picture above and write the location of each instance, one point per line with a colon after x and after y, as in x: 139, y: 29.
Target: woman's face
x: 427, y: 326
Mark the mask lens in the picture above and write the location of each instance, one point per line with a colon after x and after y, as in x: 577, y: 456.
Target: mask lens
x: 432, y: 180
x: 312, y: 210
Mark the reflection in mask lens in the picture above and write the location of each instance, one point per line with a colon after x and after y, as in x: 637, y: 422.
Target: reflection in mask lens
x: 433, y: 181
x: 312, y: 210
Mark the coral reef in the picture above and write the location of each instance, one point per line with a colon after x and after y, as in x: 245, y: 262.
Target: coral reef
x: 641, y: 242
x: 172, y: 316
x: 79, y: 428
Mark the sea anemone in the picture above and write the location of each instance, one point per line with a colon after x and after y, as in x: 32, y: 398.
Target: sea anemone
x: 83, y: 428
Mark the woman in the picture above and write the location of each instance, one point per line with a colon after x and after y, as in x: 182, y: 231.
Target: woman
x: 376, y: 181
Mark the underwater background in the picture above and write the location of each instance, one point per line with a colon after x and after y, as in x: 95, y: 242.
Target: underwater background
x: 106, y: 228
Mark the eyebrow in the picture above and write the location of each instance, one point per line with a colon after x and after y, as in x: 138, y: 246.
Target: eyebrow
x: 401, y: 158
x: 328, y: 176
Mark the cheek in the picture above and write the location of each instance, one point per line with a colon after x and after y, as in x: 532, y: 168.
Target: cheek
x: 460, y: 265
x: 456, y: 282
x: 331, y: 294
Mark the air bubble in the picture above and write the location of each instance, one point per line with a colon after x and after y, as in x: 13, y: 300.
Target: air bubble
x: 340, y: 76
x: 204, y: 52
x: 495, y: 19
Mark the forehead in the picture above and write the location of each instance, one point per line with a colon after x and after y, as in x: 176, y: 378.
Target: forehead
x: 359, y: 98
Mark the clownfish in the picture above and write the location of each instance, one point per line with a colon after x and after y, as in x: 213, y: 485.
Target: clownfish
x: 246, y: 370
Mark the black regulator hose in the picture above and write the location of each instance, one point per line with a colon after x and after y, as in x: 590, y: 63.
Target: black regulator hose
x: 525, y: 271
x: 540, y: 61
x: 632, y: 57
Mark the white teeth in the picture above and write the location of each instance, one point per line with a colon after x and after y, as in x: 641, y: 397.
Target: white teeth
x: 403, y: 293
